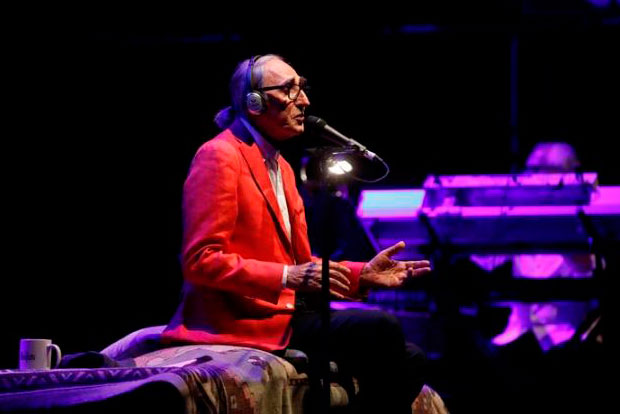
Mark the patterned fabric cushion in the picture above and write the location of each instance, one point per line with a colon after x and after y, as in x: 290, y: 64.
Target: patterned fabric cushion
x: 233, y: 378
x: 136, y: 343
x: 180, y: 379
x: 247, y: 380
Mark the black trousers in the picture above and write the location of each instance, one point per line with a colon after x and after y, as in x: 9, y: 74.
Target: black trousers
x: 370, y: 346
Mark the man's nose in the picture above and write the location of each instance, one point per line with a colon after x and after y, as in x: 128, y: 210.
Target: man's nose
x: 302, y: 99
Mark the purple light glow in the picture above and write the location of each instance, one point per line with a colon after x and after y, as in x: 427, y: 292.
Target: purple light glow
x: 600, y: 3
x: 547, y: 266
x: 392, y: 210
x: 336, y: 305
x: 524, y: 210
x: 553, y: 323
x: 496, y: 211
x: 390, y: 203
x: 508, y: 180
x: 606, y: 196
x: 555, y: 334
x: 419, y: 28
x: 540, y: 266
x: 407, y: 203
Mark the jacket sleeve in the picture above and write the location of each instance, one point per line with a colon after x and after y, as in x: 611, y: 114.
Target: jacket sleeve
x: 210, y: 211
x: 354, y: 292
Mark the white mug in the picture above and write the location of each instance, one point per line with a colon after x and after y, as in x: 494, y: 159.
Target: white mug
x: 37, y: 354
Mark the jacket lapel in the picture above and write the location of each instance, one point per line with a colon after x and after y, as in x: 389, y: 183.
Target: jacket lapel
x: 254, y: 158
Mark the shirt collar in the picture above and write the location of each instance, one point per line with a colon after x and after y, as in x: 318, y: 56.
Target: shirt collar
x: 268, y: 150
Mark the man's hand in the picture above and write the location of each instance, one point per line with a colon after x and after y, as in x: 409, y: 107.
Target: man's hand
x: 307, y: 278
x: 383, y: 271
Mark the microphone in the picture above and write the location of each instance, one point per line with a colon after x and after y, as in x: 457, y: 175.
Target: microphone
x: 330, y: 134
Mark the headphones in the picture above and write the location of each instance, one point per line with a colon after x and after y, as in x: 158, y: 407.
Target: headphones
x: 254, y: 100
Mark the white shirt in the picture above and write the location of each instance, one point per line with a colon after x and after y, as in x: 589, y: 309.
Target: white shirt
x: 270, y: 156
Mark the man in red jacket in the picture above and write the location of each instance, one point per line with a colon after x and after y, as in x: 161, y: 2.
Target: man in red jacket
x: 246, y: 252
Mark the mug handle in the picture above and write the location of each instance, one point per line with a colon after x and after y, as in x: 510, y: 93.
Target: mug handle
x: 58, y: 354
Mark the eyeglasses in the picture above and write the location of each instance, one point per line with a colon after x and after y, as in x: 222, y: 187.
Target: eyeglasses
x: 291, y: 88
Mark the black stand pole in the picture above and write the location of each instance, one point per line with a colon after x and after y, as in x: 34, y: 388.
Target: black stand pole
x: 328, y: 246
x: 325, y: 324
x: 326, y: 251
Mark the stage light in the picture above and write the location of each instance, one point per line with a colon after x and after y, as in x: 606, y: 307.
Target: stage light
x: 338, y: 166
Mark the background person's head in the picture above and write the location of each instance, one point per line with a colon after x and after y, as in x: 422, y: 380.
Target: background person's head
x: 552, y: 157
x: 278, y: 99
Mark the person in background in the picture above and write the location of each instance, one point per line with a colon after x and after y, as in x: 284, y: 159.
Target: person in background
x: 553, y: 323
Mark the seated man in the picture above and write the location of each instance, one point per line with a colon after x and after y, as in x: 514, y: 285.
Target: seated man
x: 554, y: 322
x: 246, y: 253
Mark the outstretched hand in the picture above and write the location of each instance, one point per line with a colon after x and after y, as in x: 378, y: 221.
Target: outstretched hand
x: 383, y: 271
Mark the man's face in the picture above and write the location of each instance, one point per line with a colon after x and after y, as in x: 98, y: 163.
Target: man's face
x: 284, y: 117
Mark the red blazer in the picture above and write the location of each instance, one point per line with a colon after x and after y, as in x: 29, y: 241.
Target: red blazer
x: 235, y: 247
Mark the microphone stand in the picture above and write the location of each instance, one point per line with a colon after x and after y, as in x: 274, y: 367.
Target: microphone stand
x: 328, y: 235
x: 327, y: 249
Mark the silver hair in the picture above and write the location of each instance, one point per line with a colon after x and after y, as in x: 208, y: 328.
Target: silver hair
x: 240, y: 86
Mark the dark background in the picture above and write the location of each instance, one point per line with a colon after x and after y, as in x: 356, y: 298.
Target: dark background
x: 107, y: 108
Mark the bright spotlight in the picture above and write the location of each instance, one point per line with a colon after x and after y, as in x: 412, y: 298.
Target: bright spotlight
x: 339, y: 167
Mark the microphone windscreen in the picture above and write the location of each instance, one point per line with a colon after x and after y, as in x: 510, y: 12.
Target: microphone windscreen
x: 315, y: 122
